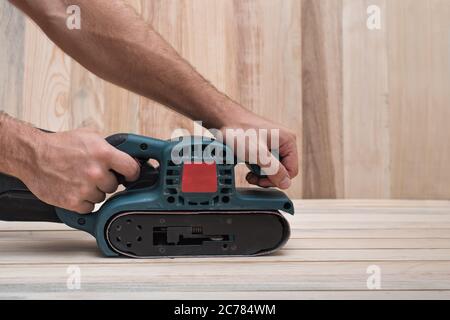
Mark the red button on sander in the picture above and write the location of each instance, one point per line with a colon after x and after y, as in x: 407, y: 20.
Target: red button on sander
x: 199, y: 178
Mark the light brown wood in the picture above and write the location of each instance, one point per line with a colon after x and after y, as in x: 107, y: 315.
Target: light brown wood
x: 322, y: 99
x: 365, y: 102
x: 376, y: 102
x: 333, y: 243
x: 46, y: 86
x: 244, y: 295
x: 419, y: 58
x: 12, y: 34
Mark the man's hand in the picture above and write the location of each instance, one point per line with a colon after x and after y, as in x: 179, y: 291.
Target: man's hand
x: 73, y: 170
x: 286, y: 166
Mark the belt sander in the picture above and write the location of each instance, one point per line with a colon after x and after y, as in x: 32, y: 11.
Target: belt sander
x: 181, y: 208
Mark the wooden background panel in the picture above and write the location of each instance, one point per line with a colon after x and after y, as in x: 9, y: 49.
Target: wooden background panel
x: 322, y: 99
x: 388, y: 126
x: 419, y: 63
x: 46, y: 85
x: 365, y: 103
x: 12, y: 34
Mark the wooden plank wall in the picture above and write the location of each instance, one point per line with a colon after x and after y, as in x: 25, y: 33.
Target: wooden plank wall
x: 376, y: 103
x: 370, y: 106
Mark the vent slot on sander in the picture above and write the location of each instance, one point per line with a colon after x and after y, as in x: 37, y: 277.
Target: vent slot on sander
x: 184, y: 236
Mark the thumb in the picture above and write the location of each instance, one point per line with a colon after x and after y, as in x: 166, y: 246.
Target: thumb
x: 280, y: 178
x: 275, y: 171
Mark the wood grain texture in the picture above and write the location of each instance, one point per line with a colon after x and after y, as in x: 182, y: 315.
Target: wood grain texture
x: 419, y: 57
x: 365, y: 102
x: 332, y: 245
x: 46, y: 87
x: 322, y: 99
x: 12, y: 34
x: 389, y: 106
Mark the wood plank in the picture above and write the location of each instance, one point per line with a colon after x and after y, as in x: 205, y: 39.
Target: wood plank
x: 375, y: 204
x: 87, y: 101
x: 394, y: 233
x: 236, y: 295
x: 322, y: 99
x: 12, y: 34
x: 411, y: 243
x: 175, y: 276
x: 46, y: 85
x: 366, y: 108
x: 419, y: 96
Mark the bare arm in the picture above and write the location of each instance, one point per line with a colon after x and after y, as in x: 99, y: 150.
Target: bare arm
x: 71, y: 170
x: 13, y: 134
x: 119, y: 46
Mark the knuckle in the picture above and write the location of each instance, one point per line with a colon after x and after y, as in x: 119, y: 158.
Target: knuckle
x: 83, y: 209
x: 73, y: 203
x: 88, y: 208
x: 95, y: 173
x: 136, y: 167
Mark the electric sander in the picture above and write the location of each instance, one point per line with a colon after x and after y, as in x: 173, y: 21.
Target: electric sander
x: 187, y: 206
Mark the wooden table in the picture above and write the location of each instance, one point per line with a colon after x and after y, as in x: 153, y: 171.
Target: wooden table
x: 334, y: 245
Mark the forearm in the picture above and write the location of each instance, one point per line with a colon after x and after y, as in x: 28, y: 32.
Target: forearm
x: 18, y: 143
x: 117, y: 45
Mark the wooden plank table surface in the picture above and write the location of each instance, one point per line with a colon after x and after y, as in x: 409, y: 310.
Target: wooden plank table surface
x: 334, y: 244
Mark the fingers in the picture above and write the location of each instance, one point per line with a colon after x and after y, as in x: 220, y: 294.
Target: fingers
x: 108, y: 183
x: 259, y: 181
x: 85, y: 207
x: 124, y: 164
x: 281, y: 178
x: 277, y: 175
x: 96, y: 196
x: 290, y: 162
